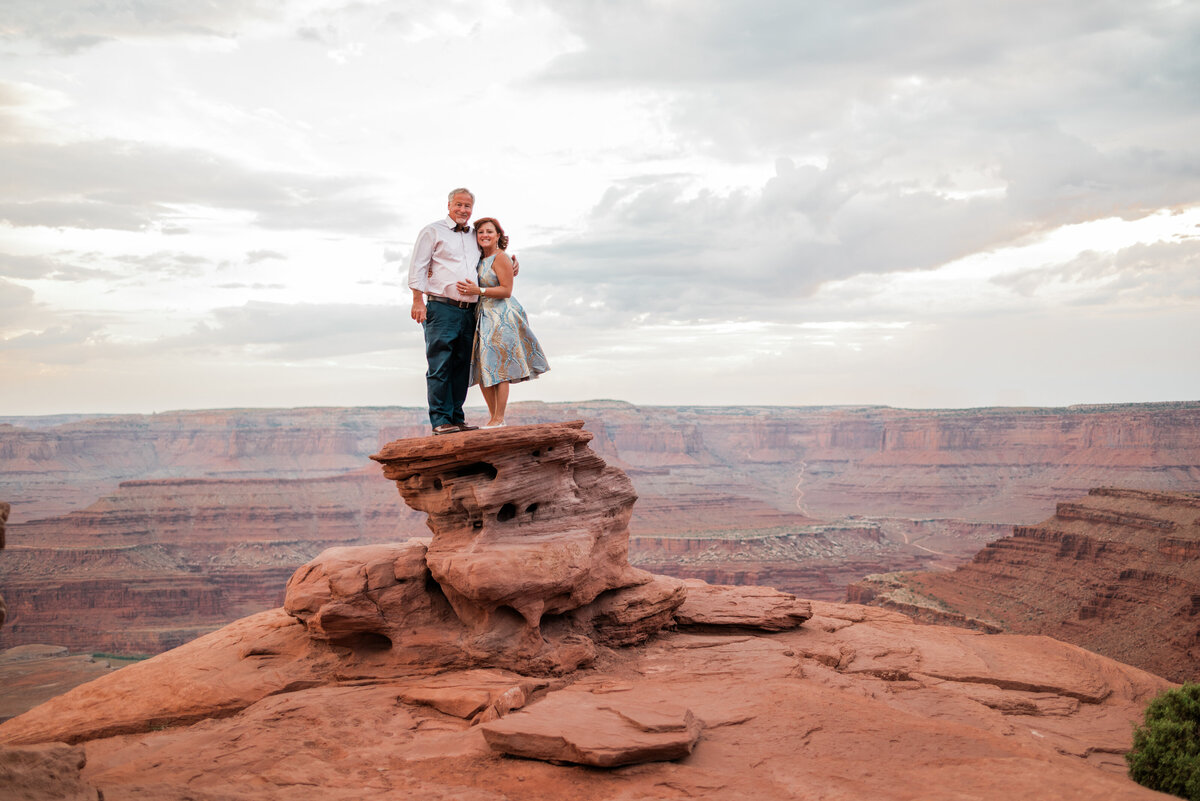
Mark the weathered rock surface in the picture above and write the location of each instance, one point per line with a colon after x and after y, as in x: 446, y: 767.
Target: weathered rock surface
x: 1116, y: 571
x: 859, y: 702
x: 603, y: 730
x: 49, y: 772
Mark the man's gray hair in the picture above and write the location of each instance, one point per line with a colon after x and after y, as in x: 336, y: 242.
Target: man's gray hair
x: 462, y: 190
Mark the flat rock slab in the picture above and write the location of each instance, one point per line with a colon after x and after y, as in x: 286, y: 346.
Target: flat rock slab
x: 465, y: 694
x: 602, y: 730
x: 741, y: 606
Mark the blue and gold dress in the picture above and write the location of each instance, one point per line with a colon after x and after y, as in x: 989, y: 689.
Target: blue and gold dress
x: 505, y: 347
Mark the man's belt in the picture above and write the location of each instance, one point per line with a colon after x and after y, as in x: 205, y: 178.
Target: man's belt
x: 462, y: 304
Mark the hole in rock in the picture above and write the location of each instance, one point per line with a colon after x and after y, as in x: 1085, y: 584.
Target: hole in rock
x: 437, y: 483
x: 556, y: 625
x: 507, y: 512
x: 474, y: 469
x: 438, y: 601
x: 530, y: 509
x: 477, y: 524
x: 506, y: 623
x: 365, y: 641
x: 537, y: 454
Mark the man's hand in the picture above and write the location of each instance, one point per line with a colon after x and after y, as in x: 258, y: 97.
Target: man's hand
x: 418, y: 310
x: 516, y: 266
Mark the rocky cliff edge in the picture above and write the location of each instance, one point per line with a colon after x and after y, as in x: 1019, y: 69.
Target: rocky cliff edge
x: 519, y: 629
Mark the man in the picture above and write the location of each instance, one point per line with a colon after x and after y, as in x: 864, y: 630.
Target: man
x: 446, y: 253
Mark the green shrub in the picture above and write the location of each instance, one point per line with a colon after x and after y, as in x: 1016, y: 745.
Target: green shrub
x: 1166, y: 747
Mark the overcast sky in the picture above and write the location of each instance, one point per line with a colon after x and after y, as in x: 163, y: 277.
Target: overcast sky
x: 922, y: 204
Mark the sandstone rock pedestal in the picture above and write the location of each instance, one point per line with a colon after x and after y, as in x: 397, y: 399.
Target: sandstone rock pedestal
x: 527, y: 568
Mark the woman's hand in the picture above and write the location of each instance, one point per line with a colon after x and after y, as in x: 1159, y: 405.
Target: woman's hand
x: 468, y: 288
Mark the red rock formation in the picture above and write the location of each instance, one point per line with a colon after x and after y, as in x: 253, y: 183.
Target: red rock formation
x: 530, y: 530
x: 604, y: 730
x: 879, y: 707
x: 1117, y: 571
x: 48, y: 772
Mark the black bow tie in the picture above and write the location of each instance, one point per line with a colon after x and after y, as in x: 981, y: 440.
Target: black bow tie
x: 460, y: 228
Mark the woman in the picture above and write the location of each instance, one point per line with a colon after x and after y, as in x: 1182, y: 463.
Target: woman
x: 506, y: 351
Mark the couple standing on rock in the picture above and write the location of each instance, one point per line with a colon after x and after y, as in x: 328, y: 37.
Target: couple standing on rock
x: 475, y: 330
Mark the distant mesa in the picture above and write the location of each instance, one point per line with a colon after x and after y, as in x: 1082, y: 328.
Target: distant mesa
x: 519, y: 628
x: 1116, y: 571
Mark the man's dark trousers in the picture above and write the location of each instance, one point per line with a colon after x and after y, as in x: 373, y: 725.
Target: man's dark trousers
x: 449, y: 338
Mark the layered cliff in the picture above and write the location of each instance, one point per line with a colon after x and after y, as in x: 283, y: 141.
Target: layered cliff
x: 1116, y: 571
x: 1001, y: 465
x: 159, y: 562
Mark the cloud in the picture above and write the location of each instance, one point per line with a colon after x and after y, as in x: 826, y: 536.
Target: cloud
x: 128, y: 185
x: 1146, y: 273
x: 51, y: 267
x: 255, y: 256
x: 749, y: 253
x: 908, y: 136
x: 912, y: 134
x: 299, y: 331
x: 14, y: 299
x: 68, y: 26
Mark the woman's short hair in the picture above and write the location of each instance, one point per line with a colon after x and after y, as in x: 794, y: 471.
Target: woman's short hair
x: 501, y: 237
x: 462, y: 190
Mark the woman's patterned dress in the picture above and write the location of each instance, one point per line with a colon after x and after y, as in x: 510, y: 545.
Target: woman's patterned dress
x: 505, y: 347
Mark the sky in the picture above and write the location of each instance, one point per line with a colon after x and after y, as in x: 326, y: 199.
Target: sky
x: 925, y: 204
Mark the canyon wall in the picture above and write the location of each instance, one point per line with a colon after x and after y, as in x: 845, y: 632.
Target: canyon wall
x: 1000, y: 465
x: 1116, y: 571
x: 134, y: 533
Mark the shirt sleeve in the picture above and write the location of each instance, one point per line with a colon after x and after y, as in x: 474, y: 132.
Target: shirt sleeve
x: 422, y: 257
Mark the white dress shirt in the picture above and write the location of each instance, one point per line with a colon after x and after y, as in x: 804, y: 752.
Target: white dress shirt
x: 441, y: 258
